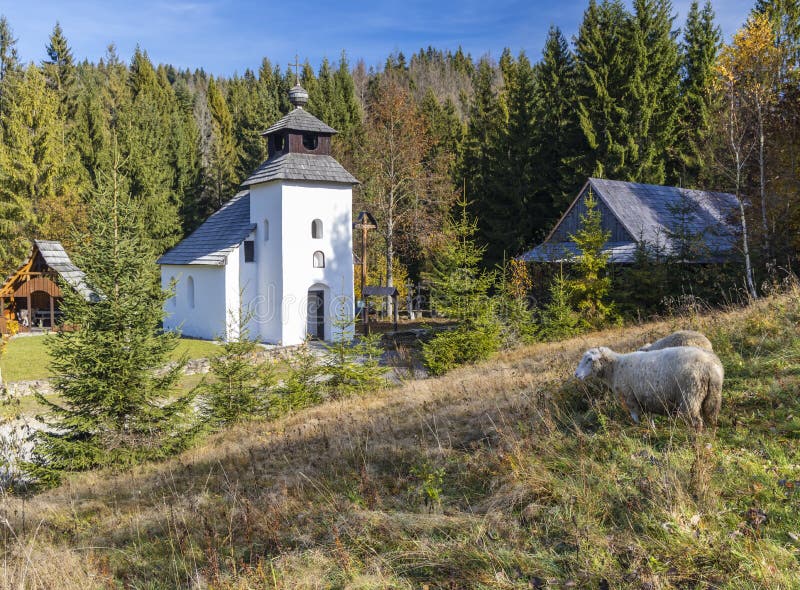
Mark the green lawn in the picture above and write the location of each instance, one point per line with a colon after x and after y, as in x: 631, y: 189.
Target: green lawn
x: 27, y: 357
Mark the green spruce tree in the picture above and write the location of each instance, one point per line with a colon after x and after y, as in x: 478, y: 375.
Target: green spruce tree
x: 482, y: 157
x: 9, y: 62
x: 145, y: 131
x: 59, y: 69
x: 460, y: 290
x: 240, y: 383
x: 116, y: 405
x: 603, y: 62
x: 41, y: 187
x: 221, y: 166
x: 654, y: 81
x: 559, y: 319
x: 557, y: 132
x: 698, y: 100
x: 591, y: 285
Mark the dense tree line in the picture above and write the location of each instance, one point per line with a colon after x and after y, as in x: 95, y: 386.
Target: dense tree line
x: 631, y: 97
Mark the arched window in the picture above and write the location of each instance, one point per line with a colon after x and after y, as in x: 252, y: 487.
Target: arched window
x: 265, y: 230
x: 190, y: 292
x: 316, y: 229
x: 319, y: 259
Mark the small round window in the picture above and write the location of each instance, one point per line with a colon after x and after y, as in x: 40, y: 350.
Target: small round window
x: 310, y: 141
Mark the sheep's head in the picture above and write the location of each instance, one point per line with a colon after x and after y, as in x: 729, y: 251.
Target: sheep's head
x: 592, y: 364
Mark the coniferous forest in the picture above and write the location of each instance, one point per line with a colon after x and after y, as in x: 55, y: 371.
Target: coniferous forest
x: 634, y: 95
x: 131, y: 457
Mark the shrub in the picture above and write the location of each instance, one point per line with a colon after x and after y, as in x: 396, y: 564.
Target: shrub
x: 470, y: 342
x: 240, y: 384
x: 558, y: 319
x: 301, y: 386
x: 352, y: 363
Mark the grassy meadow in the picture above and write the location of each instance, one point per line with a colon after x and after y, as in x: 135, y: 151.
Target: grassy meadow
x: 27, y: 357
x: 509, y: 474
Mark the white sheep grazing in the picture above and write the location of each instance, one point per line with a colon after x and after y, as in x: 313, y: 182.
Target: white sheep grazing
x: 685, y: 380
x: 681, y: 338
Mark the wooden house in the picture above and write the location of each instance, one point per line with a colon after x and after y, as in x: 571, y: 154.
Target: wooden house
x: 654, y: 216
x: 32, y: 296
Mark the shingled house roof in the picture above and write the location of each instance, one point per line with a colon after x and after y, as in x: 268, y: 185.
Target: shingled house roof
x: 300, y: 120
x: 636, y: 213
x: 217, y: 237
x: 50, y: 256
x: 306, y: 167
x: 58, y: 260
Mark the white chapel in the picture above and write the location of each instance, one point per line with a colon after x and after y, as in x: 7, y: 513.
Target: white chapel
x: 279, y: 251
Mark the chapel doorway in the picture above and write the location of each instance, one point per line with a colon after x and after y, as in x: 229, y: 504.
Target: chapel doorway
x: 316, y: 314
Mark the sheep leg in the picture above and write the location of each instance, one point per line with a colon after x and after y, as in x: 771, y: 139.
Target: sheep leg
x: 628, y: 407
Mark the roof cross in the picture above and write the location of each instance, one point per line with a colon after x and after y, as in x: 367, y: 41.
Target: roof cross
x: 296, y: 66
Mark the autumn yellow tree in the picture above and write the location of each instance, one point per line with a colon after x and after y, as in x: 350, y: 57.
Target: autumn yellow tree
x: 750, y: 72
x: 400, y: 187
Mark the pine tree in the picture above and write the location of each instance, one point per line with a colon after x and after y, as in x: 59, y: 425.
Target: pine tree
x: 220, y: 169
x: 460, y: 290
x: 557, y: 132
x: 41, y: 184
x: 518, y: 216
x: 603, y: 62
x: 445, y: 127
x: 482, y: 148
x: 114, y: 408
x: 559, y: 320
x: 698, y: 100
x: 252, y: 111
x: 59, y: 70
x: 654, y: 86
x: 9, y: 62
x: 16, y: 216
x: 185, y: 158
x: 145, y: 131
x: 591, y: 285
x: 240, y: 384
x: 353, y: 364
x: 459, y: 284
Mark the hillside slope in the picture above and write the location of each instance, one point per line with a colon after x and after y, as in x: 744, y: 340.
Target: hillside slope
x: 504, y: 475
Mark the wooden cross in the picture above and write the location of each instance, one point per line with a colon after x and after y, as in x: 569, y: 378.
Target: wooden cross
x: 296, y: 66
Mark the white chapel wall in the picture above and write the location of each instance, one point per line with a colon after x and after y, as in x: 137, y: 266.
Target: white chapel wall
x: 206, y: 319
x: 302, y: 204
x: 265, y: 204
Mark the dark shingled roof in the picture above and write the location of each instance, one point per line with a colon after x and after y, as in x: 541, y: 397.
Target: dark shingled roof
x: 300, y: 120
x: 58, y: 260
x: 648, y: 213
x: 211, y: 243
x: 308, y: 167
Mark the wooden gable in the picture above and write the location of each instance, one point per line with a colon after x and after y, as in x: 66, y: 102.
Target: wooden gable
x: 570, y: 222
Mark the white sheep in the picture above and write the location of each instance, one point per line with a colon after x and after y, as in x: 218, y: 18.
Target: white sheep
x: 681, y: 338
x: 685, y: 380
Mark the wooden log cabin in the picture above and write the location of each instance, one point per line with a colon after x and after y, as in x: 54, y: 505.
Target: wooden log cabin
x: 30, y: 299
x: 654, y: 216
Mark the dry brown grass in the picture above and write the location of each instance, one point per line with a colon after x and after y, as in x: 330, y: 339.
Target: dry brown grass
x: 332, y: 496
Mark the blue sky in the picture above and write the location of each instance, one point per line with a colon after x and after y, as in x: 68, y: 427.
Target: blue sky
x: 226, y: 37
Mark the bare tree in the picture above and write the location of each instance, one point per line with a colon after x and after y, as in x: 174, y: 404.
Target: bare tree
x: 403, y: 189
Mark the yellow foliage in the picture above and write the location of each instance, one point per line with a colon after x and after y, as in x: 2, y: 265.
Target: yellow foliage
x: 752, y: 62
x: 519, y: 278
